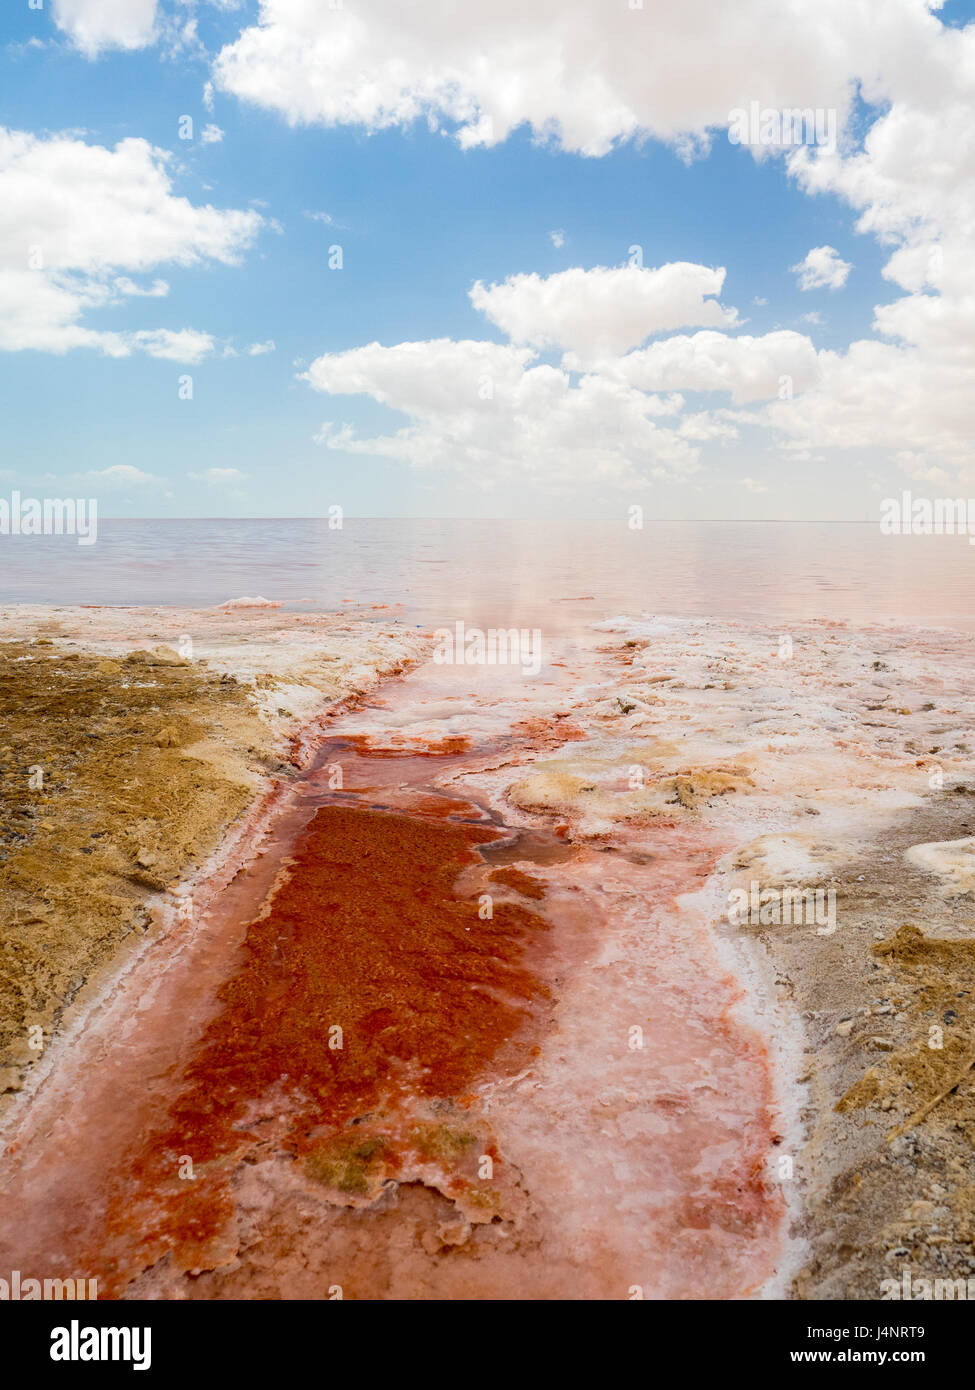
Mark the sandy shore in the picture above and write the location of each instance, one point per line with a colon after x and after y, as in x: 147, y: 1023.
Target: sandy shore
x: 749, y: 1145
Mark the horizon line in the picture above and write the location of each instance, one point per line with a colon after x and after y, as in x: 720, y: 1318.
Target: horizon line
x: 660, y: 520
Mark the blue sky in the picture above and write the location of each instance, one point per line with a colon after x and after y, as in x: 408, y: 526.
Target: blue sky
x: 419, y: 220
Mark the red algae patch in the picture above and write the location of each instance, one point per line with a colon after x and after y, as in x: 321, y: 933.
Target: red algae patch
x: 521, y: 882
x: 366, y: 991
x: 366, y: 935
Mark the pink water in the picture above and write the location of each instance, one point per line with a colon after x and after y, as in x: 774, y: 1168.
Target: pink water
x: 441, y: 569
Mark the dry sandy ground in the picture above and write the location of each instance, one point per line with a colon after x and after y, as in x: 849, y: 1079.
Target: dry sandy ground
x: 839, y: 760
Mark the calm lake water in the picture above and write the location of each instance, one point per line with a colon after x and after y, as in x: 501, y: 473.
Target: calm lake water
x: 509, y: 572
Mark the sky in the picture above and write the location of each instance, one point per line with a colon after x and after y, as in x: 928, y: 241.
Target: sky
x: 487, y: 259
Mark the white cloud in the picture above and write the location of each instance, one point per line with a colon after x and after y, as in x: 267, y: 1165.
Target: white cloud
x: 325, y: 217
x: 87, y: 206
x: 880, y: 395
x: 258, y: 349
x: 98, y: 24
x: 916, y: 466
x: 74, y: 215
x: 493, y: 411
x: 912, y: 182
x: 490, y: 412
x: 216, y: 477
x: 211, y: 135
x: 752, y: 485
x: 585, y: 74
x: 187, y: 345
x: 180, y: 37
x: 425, y: 378
x: 157, y: 290
x: 120, y: 476
x: 601, y: 312
x: 705, y: 426
x: 822, y: 268
x: 558, y: 238
x: 747, y: 368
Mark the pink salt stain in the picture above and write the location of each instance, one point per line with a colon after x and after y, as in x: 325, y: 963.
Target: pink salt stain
x: 646, y: 1126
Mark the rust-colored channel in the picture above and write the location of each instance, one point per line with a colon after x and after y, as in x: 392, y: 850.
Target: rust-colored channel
x: 370, y: 992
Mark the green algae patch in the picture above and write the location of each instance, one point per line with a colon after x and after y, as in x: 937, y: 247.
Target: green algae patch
x: 441, y: 1142
x: 351, y: 1165
x: 355, y: 1167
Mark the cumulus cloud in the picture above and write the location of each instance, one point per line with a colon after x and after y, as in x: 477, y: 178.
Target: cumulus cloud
x: 585, y: 74
x: 603, y: 311
x: 881, y: 395
x: 494, y: 411
x: 74, y: 215
x: 425, y: 379
x: 912, y: 184
x: 530, y: 422
x: 822, y: 268
x: 94, y: 25
x: 577, y: 72
x: 747, y: 368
